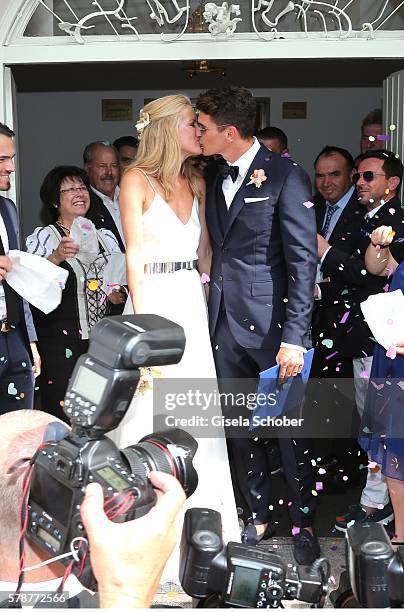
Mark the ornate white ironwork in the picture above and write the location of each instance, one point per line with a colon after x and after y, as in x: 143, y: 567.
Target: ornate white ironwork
x: 220, y: 18
x: 269, y: 19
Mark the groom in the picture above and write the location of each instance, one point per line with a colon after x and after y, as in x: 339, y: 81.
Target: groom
x: 263, y: 234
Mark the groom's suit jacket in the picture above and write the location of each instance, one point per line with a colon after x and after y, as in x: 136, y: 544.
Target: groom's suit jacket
x: 264, y: 254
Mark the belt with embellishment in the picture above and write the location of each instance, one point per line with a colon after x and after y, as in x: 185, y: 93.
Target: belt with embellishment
x: 169, y: 266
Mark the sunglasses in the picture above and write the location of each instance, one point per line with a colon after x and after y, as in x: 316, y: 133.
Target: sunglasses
x: 368, y: 176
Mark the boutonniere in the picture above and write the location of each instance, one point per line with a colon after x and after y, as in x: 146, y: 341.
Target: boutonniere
x: 257, y: 178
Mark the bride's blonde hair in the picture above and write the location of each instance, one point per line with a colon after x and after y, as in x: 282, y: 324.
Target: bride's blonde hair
x: 159, y: 152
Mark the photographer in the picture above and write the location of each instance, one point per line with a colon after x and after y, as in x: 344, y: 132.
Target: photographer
x: 127, y: 558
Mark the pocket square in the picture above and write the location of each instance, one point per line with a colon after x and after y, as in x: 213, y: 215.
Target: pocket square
x: 251, y: 200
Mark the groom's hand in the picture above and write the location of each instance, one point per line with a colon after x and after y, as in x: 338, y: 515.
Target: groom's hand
x: 290, y: 361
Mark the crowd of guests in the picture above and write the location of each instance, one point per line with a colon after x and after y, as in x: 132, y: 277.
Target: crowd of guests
x: 359, y: 220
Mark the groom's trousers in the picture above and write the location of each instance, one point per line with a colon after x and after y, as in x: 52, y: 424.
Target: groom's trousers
x: 249, y: 457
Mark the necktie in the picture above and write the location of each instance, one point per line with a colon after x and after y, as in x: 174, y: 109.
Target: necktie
x: 225, y: 170
x: 331, y: 209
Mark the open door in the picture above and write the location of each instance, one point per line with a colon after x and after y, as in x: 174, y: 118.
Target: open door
x: 393, y: 112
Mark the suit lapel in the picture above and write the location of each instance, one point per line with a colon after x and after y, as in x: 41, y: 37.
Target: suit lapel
x: 243, y: 191
x: 212, y: 207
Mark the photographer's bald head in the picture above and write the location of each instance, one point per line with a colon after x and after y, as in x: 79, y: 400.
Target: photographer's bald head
x: 21, y: 433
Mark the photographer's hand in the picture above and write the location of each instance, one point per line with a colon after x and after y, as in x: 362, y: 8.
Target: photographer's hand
x: 128, y: 559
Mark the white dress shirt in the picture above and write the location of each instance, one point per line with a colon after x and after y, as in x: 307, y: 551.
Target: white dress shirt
x: 4, y: 239
x: 113, y: 207
x: 230, y: 189
x: 244, y: 162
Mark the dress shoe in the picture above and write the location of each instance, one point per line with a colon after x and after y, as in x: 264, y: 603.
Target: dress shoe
x: 250, y: 536
x: 306, y: 548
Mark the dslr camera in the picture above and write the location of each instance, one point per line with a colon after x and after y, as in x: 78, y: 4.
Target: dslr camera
x: 241, y: 576
x: 375, y: 575
x: 100, y: 390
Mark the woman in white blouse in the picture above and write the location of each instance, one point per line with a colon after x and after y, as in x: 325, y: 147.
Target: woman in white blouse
x: 63, y: 334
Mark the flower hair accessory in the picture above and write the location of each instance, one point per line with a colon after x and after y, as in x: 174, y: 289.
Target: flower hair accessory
x: 257, y: 178
x: 143, y: 121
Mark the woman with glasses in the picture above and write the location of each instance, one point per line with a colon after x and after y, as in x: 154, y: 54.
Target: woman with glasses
x: 382, y: 429
x: 168, y: 259
x: 63, y: 334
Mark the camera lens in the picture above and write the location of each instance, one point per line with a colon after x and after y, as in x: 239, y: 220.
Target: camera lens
x: 169, y: 451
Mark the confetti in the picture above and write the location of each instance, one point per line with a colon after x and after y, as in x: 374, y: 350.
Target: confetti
x: 313, y: 492
x: 22, y: 395
x: 376, y: 386
x: 392, y: 211
x: 392, y: 127
x: 345, y: 478
x: 322, y: 471
x: 65, y: 332
x: 68, y: 353
x: 295, y: 530
x: 305, y: 510
x: 327, y: 342
x: 308, y: 204
x: 319, y: 485
x: 363, y: 272
x: 280, y: 502
x: 391, y: 352
x: 364, y: 374
x: 11, y: 389
x: 24, y: 365
x: 344, y: 317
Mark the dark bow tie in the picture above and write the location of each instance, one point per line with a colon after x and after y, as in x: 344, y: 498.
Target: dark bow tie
x: 225, y: 170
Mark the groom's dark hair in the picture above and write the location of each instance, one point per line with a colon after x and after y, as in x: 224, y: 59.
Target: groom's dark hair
x: 230, y: 106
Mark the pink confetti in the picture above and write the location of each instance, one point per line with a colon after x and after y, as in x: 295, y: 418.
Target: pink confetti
x: 386, y: 288
x: 295, y: 530
x: 364, y: 374
x: 391, y: 352
x: 289, y: 504
x: 344, y: 317
x: 319, y: 486
x: 86, y: 226
x: 392, y: 211
x: 65, y: 332
x: 332, y: 355
x: 372, y: 464
x: 378, y: 387
x: 308, y: 204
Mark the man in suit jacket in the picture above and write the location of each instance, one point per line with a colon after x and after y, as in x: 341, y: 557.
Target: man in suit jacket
x: 17, y: 332
x: 101, y: 163
x: 377, y: 182
x: 262, y: 228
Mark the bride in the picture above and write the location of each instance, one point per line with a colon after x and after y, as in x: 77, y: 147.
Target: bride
x: 168, y: 251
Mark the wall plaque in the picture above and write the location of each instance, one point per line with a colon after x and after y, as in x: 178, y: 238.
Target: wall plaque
x: 294, y: 110
x: 117, y: 110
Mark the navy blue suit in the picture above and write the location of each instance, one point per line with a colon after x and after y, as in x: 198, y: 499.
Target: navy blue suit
x: 16, y: 377
x: 261, y: 294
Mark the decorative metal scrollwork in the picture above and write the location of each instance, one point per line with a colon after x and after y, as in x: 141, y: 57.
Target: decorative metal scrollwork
x: 270, y: 19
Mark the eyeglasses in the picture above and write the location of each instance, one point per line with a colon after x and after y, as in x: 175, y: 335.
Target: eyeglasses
x: 204, y: 129
x: 368, y: 176
x: 73, y: 190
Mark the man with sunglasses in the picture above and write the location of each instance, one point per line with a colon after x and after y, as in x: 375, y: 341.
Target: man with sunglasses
x: 377, y: 182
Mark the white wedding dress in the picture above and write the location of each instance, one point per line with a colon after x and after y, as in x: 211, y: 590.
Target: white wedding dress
x: 180, y: 296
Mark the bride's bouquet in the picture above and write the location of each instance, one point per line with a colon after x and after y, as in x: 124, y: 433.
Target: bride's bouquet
x: 146, y: 379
